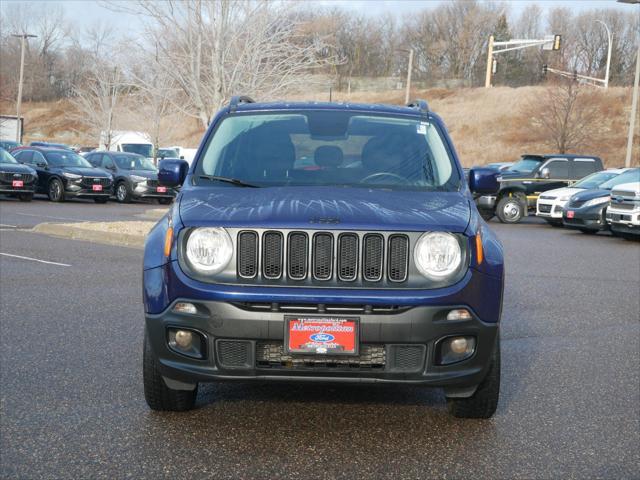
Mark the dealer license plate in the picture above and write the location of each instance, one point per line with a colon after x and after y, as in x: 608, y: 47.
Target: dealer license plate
x: 570, y: 213
x: 322, y: 335
x: 162, y: 189
x: 97, y: 188
x: 17, y: 184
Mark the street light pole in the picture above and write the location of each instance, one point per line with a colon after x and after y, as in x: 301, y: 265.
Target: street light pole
x: 609, y: 38
x: 23, y: 38
x: 487, y: 80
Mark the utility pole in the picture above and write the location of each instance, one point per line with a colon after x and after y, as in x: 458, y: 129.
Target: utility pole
x: 634, y: 110
x: 23, y: 37
x: 487, y: 81
x: 406, y: 94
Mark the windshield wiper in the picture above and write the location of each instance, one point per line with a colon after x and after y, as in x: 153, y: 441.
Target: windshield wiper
x: 233, y: 181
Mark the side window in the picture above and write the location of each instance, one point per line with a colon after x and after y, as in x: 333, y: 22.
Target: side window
x: 107, y: 162
x: 583, y: 167
x: 558, y: 169
x: 24, y: 156
x: 93, y: 159
x: 38, y: 158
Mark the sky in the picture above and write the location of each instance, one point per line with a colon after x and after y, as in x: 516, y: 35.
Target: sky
x: 83, y: 12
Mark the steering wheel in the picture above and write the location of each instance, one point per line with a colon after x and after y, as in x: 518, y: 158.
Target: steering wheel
x: 384, y: 174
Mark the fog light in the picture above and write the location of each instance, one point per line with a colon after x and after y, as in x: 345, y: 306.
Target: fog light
x: 185, y: 307
x: 186, y: 342
x: 459, y: 314
x: 455, y: 349
x: 184, y: 339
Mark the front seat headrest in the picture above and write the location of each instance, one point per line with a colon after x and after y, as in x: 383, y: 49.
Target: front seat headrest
x: 328, y: 156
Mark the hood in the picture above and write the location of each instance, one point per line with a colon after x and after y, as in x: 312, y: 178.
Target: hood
x: 16, y: 168
x: 584, y: 195
x: 143, y: 173
x: 325, y: 208
x: 560, y: 192
x: 86, y: 171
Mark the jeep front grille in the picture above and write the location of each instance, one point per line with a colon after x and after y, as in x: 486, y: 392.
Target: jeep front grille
x: 342, y: 260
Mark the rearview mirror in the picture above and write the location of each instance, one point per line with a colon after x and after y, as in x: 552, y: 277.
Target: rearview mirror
x: 172, y: 172
x: 545, y: 173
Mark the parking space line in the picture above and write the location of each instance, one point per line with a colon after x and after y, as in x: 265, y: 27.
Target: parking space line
x: 35, y: 260
x: 7, y: 226
x: 50, y: 216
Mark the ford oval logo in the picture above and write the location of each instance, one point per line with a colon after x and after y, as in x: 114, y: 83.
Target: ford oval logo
x: 322, y: 337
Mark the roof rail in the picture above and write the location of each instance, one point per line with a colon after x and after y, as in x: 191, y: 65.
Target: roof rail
x: 421, y: 105
x: 237, y: 100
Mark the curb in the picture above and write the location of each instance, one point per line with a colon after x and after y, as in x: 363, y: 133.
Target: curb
x: 78, y: 233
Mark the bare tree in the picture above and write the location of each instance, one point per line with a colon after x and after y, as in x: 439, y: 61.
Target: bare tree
x: 566, y: 116
x: 96, y: 99
x: 210, y: 52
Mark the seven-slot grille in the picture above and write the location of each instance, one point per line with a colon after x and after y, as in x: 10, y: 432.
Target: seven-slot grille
x: 323, y: 256
x: 10, y: 177
x: 89, y: 181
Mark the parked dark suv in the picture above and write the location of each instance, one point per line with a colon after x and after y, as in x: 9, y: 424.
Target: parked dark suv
x: 326, y: 243
x: 134, y: 176
x: 63, y: 174
x: 510, y: 194
x: 15, y: 179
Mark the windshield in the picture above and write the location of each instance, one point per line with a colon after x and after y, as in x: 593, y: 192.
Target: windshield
x: 627, y: 177
x: 134, y: 162
x: 6, y: 157
x: 168, y: 153
x: 144, y: 149
x: 525, y: 165
x: 594, y: 180
x: 329, y: 148
x: 66, y: 159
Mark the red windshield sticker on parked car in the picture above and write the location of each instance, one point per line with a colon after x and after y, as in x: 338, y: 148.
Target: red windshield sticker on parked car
x: 323, y: 335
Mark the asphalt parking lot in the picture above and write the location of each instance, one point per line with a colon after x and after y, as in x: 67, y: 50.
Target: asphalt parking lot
x: 72, y: 406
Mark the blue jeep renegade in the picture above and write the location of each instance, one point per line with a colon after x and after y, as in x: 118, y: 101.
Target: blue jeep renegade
x: 323, y: 242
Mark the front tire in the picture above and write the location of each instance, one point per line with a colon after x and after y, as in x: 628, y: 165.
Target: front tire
x: 56, y: 190
x: 156, y: 393
x: 484, y: 402
x: 25, y: 197
x: 510, y: 210
x: 123, y: 195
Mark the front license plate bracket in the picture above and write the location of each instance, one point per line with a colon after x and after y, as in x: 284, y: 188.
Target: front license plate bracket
x: 321, y: 335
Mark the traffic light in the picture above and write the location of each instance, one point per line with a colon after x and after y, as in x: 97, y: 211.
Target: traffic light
x: 544, y: 70
x: 557, y: 40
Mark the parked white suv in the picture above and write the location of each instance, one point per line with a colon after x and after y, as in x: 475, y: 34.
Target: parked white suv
x: 551, y: 203
x: 623, y: 213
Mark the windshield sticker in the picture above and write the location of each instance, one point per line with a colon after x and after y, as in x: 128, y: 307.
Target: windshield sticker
x: 422, y: 128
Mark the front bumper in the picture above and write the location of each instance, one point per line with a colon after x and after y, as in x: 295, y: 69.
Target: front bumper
x: 10, y: 190
x: 585, y: 218
x: 144, y: 191
x: 243, y: 344
x: 550, y: 209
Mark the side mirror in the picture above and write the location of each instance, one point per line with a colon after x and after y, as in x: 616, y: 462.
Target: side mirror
x: 545, y: 173
x: 41, y: 164
x: 181, y: 157
x: 483, y: 180
x: 172, y: 173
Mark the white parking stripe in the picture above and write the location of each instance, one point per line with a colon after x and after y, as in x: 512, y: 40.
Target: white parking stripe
x: 48, y: 216
x: 8, y: 226
x: 35, y: 260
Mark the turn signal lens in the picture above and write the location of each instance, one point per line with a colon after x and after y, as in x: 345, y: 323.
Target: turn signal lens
x: 168, y: 240
x: 458, y: 314
x: 185, y: 307
x: 479, y: 250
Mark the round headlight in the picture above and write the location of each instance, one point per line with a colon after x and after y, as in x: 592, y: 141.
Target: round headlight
x: 437, y: 255
x: 209, y: 249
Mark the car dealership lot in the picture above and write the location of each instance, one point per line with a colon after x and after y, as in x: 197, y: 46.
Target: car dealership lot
x: 71, y: 393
